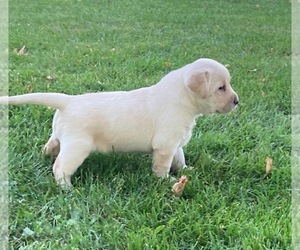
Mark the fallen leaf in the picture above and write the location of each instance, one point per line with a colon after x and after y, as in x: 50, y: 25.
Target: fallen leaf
x: 168, y: 64
x: 269, y: 162
x: 227, y: 65
x: 263, y: 79
x: 179, y: 186
x: 29, y: 88
x: 253, y: 70
x: 50, y: 78
x: 22, y: 51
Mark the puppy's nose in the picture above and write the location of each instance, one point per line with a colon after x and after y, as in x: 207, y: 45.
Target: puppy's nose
x: 236, y: 100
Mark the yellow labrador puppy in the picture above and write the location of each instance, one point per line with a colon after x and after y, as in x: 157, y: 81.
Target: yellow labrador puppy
x: 157, y: 119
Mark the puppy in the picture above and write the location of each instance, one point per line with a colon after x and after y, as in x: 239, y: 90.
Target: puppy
x: 158, y: 119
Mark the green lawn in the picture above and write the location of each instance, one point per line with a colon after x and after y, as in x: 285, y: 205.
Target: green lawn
x: 89, y: 46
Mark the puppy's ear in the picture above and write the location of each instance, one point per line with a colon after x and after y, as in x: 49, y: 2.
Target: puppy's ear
x: 198, y: 83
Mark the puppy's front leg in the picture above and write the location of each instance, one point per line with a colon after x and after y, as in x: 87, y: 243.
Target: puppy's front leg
x: 178, y: 160
x: 162, y: 161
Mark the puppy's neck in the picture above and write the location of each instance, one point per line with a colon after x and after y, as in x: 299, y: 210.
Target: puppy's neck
x: 176, y: 93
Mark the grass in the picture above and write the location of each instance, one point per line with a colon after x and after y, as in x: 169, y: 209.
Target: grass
x: 89, y: 46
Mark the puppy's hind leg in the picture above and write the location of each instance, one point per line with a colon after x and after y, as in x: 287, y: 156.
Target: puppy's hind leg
x: 52, y: 147
x: 70, y: 157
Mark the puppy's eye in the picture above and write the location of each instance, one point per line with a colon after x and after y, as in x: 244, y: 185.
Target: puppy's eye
x: 223, y: 88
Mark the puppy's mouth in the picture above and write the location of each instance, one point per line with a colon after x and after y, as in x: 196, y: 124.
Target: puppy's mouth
x: 222, y: 112
x: 226, y: 110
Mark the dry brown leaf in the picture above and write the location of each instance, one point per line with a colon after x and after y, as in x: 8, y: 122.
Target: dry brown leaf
x: 168, y: 64
x: 179, y: 186
x: 269, y: 163
x: 22, y: 51
x: 263, y: 79
x: 29, y: 88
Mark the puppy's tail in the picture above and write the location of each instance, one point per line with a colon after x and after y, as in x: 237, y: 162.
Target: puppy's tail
x: 53, y: 100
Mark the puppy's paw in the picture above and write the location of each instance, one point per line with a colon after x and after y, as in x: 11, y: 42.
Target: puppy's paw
x: 63, y: 180
x: 160, y: 172
x: 172, y: 179
x: 65, y: 185
x: 185, y: 167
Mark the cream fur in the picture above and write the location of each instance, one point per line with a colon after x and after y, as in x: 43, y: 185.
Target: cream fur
x: 157, y: 119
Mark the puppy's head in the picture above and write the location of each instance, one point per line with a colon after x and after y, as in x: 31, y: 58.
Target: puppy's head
x: 209, y: 84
